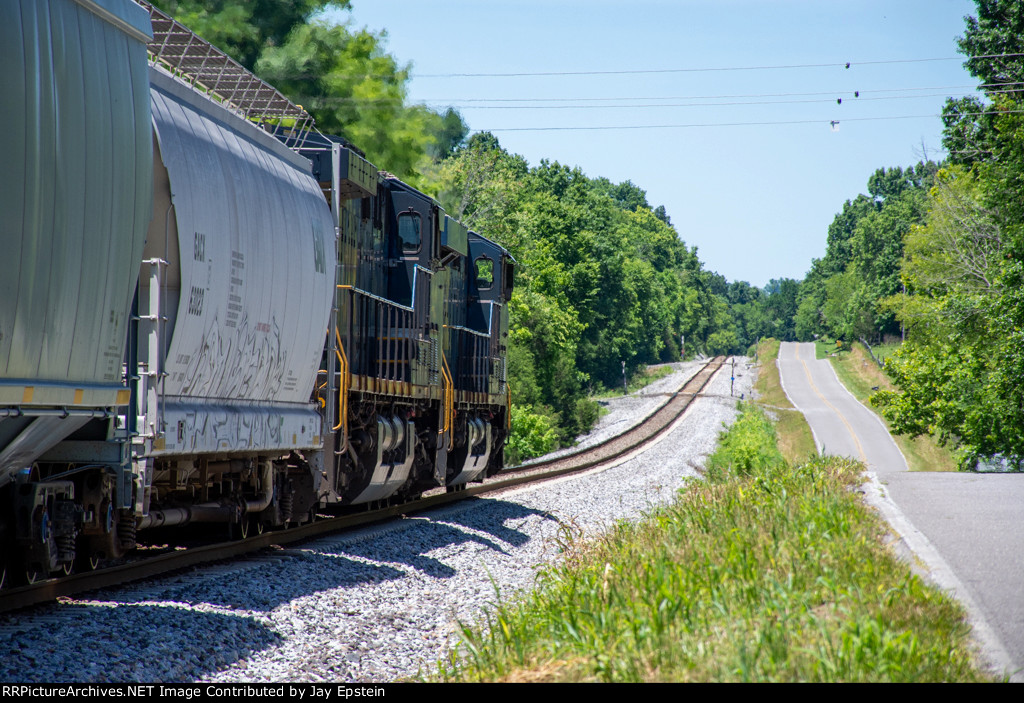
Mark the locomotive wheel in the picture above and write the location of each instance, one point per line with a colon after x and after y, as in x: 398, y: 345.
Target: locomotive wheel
x: 84, y: 562
x: 86, y: 558
x: 238, y: 530
x: 248, y: 527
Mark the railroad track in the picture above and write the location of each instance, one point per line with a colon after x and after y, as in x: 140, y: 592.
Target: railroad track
x: 611, y: 450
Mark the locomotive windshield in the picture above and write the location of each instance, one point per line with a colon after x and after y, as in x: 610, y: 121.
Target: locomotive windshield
x: 409, y: 226
x: 484, y: 273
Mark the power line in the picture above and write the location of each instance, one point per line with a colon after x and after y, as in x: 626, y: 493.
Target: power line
x: 684, y: 97
x: 402, y: 74
x: 719, y: 104
x: 853, y: 96
x: 468, y: 103
x: 740, y: 124
x: 845, y: 64
x: 843, y: 91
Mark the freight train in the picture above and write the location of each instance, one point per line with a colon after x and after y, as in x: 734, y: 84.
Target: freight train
x: 210, y: 312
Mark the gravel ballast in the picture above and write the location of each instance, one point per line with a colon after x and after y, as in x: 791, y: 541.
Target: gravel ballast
x: 373, y: 605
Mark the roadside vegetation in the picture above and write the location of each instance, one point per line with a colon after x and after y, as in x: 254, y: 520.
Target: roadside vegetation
x: 863, y: 378
x: 762, y: 571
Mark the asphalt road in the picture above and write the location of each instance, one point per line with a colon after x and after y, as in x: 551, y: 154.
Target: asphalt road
x: 967, y: 529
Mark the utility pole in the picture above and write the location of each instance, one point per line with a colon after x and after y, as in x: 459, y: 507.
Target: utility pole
x: 625, y: 388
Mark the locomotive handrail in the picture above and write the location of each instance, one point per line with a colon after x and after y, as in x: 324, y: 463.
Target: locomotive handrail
x: 491, y: 304
x: 388, y: 301
x: 379, y: 299
x: 470, y: 330
x: 320, y: 398
x: 449, y: 398
x: 343, y: 387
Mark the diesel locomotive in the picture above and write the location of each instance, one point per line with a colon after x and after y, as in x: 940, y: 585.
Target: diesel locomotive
x: 209, y: 311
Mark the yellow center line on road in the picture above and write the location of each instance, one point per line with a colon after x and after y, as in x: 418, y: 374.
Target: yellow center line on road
x: 849, y: 428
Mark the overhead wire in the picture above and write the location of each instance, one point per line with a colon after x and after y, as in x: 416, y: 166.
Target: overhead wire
x: 861, y: 98
x: 834, y: 92
x: 643, y: 71
x: 837, y: 96
x: 694, y: 97
x: 864, y: 94
x: 854, y: 97
x: 617, y: 72
x: 739, y: 124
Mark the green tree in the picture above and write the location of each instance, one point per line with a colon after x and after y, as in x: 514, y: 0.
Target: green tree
x: 840, y: 294
x: 346, y: 80
x: 356, y: 90
x: 780, y: 306
x: 243, y: 29
x: 994, y: 44
x: 959, y: 374
x: 449, y: 135
x: 602, y: 278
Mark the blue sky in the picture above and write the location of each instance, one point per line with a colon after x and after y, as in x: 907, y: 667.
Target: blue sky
x: 755, y: 199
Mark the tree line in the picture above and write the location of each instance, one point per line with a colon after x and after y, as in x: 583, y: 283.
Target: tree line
x: 604, y: 280
x: 960, y: 373
x: 934, y: 254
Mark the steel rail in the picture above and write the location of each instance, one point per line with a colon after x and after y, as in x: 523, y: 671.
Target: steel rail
x: 656, y: 422
x: 652, y: 426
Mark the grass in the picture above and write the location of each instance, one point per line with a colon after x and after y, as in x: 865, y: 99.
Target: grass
x: 861, y: 376
x: 884, y: 351
x: 794, y: 434
x: 760, y: 572
x: 823, y: 348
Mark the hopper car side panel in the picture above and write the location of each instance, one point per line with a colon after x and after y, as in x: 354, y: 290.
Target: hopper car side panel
x: 254, y: 242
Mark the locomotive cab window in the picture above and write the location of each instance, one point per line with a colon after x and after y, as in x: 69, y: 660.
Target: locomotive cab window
x: 484, y: 273
x: 409, y: 227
